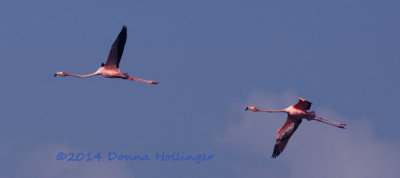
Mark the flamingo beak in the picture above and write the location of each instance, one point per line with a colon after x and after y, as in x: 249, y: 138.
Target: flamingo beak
x: 251, y: 108
x: 154, y: 82
x: 60, y: 73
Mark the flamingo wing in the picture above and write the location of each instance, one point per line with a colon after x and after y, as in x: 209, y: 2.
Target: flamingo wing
x: 117, y: 48
x: 284, y: 134
x: 303, y: 104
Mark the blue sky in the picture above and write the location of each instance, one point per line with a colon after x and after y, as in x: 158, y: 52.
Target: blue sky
x: 211, y: 59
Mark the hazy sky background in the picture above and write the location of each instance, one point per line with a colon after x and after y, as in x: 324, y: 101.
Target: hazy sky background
x: 211, y: 59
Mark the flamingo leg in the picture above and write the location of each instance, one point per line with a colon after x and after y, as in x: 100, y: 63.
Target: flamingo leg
x: 142, y: 80
x: 331, y: 121
x: 338, y: 126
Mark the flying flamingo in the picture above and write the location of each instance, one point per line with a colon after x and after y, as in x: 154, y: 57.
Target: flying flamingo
x: 296, y: 113
x: 111, y: 68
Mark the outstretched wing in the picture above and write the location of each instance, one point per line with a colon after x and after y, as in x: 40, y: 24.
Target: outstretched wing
x: 303, y: 104
x: 284, y: 134
x: 117, y: 48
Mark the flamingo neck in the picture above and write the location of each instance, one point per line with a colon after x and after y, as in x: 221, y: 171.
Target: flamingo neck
x: 82, y: 76
x: 271, y: 110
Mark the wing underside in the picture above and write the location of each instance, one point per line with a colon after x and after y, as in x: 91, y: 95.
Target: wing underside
x: 284, y: 134
x: 117, y: 49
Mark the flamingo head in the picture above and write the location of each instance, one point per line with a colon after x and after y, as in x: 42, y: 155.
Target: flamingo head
x: 60, y: 73
x: 251, y: 108
x: 154, y: 82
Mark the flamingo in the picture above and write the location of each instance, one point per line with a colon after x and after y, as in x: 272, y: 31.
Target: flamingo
x: 111, y: 68
x: 296, y: 113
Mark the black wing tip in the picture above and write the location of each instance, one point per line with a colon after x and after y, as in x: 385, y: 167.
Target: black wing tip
x: 275, y: 154
x: 309, y: 105
x: 123, y: 32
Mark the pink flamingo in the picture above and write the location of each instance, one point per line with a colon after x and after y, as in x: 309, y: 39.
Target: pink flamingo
x: 111, y: 68
x: 296, y: 113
